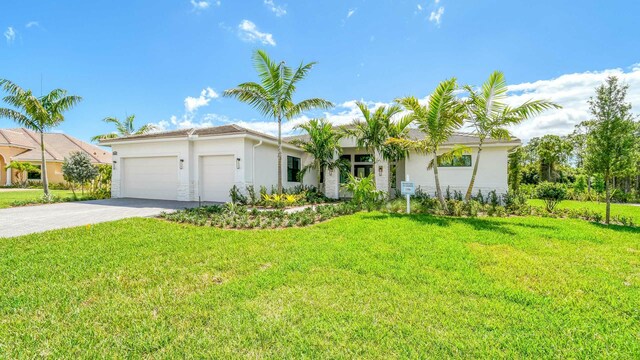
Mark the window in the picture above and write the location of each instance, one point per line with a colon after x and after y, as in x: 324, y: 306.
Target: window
x: 362, y: 171
x: 363, y: 158
x: 458, y: 161
x: 34, y: 175
x: 293, y: 168
x: 344, y: 176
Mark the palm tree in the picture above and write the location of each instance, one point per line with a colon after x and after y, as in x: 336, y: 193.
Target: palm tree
x: 392, y: 152
x: 124, y: 128
x: 323, y: 144
x: 273, y: 96
x: 438, y: 120
x: 371, y: 132
x: 38, y: 114
x: 490, y: 116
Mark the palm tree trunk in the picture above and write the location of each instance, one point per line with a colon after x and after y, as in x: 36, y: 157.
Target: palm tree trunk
x: 43, y: 168
x: 438, y: 189
x: 279, y: 154
x: 467, y: 196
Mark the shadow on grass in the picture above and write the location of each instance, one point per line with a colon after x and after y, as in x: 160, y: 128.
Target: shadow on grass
x: 628, y: 229
x: 445, y: 221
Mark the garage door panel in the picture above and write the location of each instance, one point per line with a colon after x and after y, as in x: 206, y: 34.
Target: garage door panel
x: 150, y: 177
x: 217, y: 177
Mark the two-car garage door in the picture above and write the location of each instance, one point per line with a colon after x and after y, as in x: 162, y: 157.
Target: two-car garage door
x: 150, y: 177
x: 157, y: 177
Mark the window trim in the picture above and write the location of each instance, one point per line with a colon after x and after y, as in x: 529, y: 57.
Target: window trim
x: 292, y: 168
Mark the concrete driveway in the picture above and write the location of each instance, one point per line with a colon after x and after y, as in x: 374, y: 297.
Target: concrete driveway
x: 32, y: 219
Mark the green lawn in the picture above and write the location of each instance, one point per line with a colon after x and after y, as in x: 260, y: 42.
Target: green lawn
x: 360, y: 286
x: 9, y: 196
x: 629, y: 210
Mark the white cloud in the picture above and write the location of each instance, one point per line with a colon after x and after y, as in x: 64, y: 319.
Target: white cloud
x: 10, y: 35
x: 276, y: 9
x: 572, y: 92
x: 191, y: 104
x: 419, y: 7
x: 436, y: 15
x: 31, y: 24
x: 248, y: 31
x: 203, y: 4
x: 351, y: 12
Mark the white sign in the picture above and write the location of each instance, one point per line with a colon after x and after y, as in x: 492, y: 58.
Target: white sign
x: 407, y: 188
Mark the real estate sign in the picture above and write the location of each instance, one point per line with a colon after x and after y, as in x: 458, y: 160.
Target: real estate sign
x: 407, y: 188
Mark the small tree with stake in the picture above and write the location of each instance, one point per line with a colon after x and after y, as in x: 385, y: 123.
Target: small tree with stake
x: 78, y: 169
x: 611, y: 137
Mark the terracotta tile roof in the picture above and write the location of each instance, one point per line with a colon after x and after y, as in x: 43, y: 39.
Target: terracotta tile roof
x: 57, y: 146
x: 231, y: 129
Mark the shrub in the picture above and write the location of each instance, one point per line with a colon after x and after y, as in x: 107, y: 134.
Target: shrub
x: 364, y: 191
x: 236, y: 196
x: 551, y: 193
x: 77, y: 169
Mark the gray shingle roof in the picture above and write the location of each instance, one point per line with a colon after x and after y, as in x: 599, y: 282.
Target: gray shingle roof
x: 231, y: 129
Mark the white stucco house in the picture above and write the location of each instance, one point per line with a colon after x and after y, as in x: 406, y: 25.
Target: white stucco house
x: 203, y: 164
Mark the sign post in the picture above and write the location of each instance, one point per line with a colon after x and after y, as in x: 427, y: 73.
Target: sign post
x: 407, y: 188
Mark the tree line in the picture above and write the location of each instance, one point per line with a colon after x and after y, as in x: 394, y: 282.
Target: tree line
x: 600, y: 158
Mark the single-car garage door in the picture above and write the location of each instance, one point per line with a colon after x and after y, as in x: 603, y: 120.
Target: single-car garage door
x: 150, y: 177
x: 217, y: 177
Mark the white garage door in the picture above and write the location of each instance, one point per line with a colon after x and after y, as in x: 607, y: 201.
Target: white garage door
x: 150, y: 178
x: 217, y: 177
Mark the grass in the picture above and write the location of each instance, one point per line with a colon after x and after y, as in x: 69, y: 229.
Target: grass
x: 629, y: 210
x: 8, y: 197
x: 362, y: 286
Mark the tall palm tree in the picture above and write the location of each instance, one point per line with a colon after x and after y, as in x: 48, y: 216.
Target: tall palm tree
x: 438, y: 120
x: 393, y: 152
x: 273, y: 96
x: 124, y: 128
x: 490, y: 116
x: 38, y: 114
x: 324, y: 145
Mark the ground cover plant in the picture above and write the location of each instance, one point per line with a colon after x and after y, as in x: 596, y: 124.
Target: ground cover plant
x: 368, y: 285
x: 234, y: 216
x: 631, y: 211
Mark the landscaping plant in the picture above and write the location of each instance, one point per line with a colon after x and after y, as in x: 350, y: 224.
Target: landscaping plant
x: 551, y: 193
x: 78, y: 170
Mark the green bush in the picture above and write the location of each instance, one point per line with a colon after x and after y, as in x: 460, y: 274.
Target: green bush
x: 364, y: 192
x: 551, y: 193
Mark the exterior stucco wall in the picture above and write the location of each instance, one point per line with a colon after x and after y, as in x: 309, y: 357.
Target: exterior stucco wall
x: 266, y: 167
x: 152, y: 149
x: 492, y: 172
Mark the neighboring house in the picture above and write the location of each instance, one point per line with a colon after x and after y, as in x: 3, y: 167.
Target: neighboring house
x: 24, y: 145
x: 204, y: 164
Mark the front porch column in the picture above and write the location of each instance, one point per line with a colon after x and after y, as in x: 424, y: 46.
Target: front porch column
x: 8, y: 182
x: 382, y: 175
x: 332, y: 183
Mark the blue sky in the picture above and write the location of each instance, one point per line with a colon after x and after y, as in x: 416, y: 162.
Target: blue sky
x: 168, y: 61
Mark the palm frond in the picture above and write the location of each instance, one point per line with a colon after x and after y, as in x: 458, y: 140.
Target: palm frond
x: 306, y: 105
x: 256, y: 96
x: 17, y: 117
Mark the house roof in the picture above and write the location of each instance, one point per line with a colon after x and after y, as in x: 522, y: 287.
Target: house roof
x: 222, y: 130
x: 57, y: 146
x: 459, y: 138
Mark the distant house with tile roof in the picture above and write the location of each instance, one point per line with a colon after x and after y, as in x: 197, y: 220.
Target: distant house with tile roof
x: 24, y: 145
